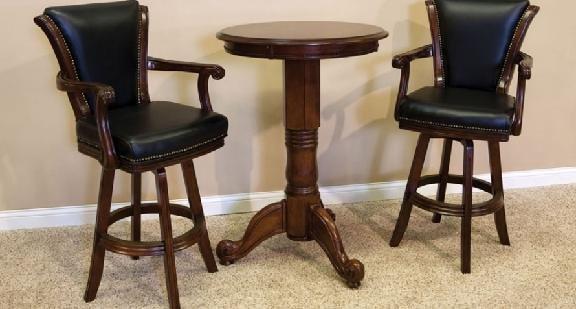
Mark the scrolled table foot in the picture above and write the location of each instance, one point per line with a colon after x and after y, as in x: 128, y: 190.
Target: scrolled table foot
x: 324, y: 231
x: 354, y: 270
x: 266, y: 223
x: 225, y: 250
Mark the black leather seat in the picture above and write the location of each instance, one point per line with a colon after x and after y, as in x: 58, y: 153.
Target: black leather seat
x: 458, y: 108
x: 156, y: 130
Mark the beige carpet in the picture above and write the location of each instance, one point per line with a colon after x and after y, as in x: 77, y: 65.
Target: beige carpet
x: 48, y: 268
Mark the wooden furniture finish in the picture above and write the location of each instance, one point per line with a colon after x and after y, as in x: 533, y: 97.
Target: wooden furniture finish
x: 466, y: 210
x: 67, y: 80
x: 301, y: 215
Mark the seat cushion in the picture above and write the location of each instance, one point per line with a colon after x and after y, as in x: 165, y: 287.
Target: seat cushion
x: 458, y: 108
x: 156, y: 130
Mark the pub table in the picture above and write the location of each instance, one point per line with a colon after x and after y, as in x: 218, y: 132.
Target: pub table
x: 302, y: 216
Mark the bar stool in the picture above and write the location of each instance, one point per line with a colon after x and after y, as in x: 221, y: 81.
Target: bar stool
x: 102, y: 52
x: 475, y: 46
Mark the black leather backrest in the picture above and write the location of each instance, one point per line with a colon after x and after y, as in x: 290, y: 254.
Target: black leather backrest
x: 103, y: 41
x: 476, y: 35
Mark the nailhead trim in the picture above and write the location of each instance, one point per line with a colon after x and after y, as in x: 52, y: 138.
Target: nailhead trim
x: 440, y: 41
x: 139, y: 50
x: 69, y: 53
x: 452, y: 125
x: 158, y: 156
x: 507, y: 58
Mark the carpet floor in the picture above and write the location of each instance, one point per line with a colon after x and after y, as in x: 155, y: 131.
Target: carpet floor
x: 47, y: 268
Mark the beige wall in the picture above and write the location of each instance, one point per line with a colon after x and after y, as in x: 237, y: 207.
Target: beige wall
x: 359, y: 141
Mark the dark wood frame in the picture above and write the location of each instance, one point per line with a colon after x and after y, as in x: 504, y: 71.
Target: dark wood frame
x: 302, y: 215
x: 67, y: 80
x: 466, y: 210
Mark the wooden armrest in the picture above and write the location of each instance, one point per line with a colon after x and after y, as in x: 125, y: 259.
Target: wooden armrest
x: 401, y: 60
x: 69, y: 85
x: 525, y: 64
x: 104, y: 96
x: 205, y: 71
x: 214, y: 70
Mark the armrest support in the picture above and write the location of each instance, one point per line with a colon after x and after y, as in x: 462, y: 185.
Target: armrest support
x: 402, y: 62
x: 205, y: 71
x: 525, y: 64
x: 104, y: 96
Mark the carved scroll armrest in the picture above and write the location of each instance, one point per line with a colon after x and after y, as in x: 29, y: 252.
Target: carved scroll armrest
x: 104, y: 96
x: 205, y: 71
x: 402, y: 62
x: 525, y: 64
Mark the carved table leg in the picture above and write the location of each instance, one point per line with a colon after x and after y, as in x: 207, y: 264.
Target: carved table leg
x: 331, y: 214
x: 265, y: 224
x: 323, y: 230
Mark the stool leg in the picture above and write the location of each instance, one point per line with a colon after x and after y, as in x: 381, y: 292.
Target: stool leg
x: 466, y: 229
x: 498, y: 189
x: 411, y: 187
x: 199, y: 220
x: 136, y: 203
x: 98, y: 251
x: 444, y: 170
x: 166, y: 235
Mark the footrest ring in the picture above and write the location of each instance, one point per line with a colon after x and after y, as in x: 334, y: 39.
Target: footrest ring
x: 449, y: 209
x: 150, y: 248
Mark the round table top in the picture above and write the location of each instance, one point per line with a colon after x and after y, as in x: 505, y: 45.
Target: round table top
x: 302, y: 39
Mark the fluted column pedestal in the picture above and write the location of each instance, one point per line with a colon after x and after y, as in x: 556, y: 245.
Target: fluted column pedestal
x: 301, y: 215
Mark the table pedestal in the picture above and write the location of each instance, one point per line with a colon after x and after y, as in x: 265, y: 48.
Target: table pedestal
x: 301, y: 215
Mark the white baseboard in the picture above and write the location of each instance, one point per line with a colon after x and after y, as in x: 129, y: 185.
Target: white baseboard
x: 249, y: 202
